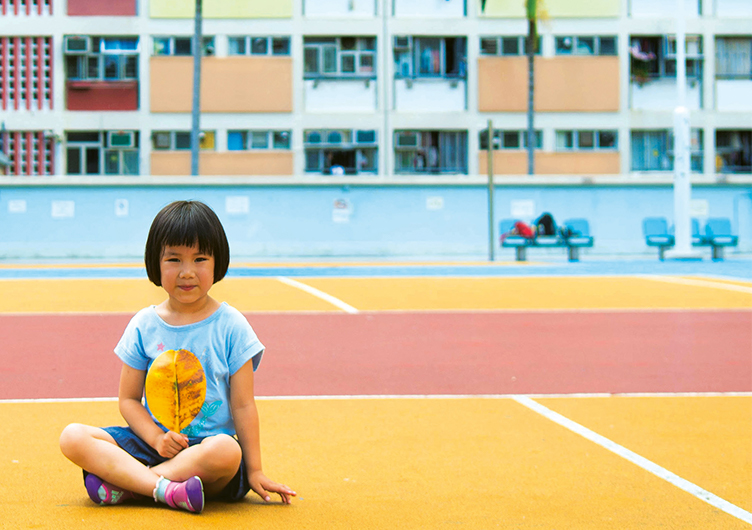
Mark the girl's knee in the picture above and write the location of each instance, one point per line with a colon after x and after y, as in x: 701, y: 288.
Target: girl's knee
x: 72, y: 438
x: 224, y: 450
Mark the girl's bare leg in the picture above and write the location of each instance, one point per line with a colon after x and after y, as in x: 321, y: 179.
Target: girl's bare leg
x: 215, y: 461
x: 94, y: 450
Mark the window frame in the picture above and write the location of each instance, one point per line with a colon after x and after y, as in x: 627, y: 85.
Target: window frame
x: 498, y: 136
x: 92, y: 64
x: 415, y: 159
x: 208, y: 46
x: 320, y: 46
x: 576, y: 50
x: 204, y: 140
x: 104, y: 150
x: 499, y: 45
x: 366, y: 152
x: 248, y: 45
x: 246, y: 136
x: 410, y: 56
x: 576, y: 140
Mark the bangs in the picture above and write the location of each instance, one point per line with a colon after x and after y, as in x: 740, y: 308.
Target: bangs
x: 187, y: 223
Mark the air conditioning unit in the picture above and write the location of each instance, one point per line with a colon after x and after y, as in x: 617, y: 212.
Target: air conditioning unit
x: 77, y: 44
x: 407, y: 139
x: 365, y: 137
x: 401, y: 43
x: 162, y: 140
x: 121, y: 139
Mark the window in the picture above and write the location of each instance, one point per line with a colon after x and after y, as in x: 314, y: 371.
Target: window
x: 585, y: 45
x: 245, y: 140
x: 430, y: 151
x: 733, y: 58
x: 340, y: 151
x: 653, y: 150
x: 586, y: 140
x: 430, y: 57
x: 102, y: 153
x: 181, y: 140
x: 252, y: 45
x: 516, y: 45
x: 733, y: 151
x: 101, y: 58
x: 181, y: 46
x: 339, y: 57
x: 655, y: 57
x: 509, y: 139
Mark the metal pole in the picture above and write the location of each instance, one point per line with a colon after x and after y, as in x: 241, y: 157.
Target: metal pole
x: 682, y: 185
x: 196, y: 107
x: 491, y: 239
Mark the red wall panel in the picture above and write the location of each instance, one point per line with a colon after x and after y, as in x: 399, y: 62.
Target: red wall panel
x: 93, y: 8
x: 82, y: 95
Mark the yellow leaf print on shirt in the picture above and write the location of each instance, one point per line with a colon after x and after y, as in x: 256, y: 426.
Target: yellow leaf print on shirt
x: 175, y: 388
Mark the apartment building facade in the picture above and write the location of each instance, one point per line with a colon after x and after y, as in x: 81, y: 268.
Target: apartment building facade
x: 320, y: 88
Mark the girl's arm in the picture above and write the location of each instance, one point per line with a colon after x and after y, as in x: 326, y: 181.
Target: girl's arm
x: 245, y: 417
x: 167, y: 444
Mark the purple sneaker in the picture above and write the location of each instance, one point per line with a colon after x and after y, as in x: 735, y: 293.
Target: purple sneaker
x: 102, y: 492
x: 188, y: 495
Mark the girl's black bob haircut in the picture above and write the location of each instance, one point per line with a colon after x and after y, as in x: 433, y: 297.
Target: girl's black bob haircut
x: 186, y: 223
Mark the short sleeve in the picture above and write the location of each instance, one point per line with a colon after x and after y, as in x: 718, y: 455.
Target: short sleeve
x: 244, y: 344
x: 130, y: 348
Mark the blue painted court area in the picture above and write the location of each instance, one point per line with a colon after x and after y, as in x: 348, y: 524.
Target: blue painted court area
x: 740, y: 269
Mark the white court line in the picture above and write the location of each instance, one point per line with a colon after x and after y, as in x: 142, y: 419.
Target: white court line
x: 638, y: 460
x: 698, y: 283
x: 319, y: 294
x: 423, y: 396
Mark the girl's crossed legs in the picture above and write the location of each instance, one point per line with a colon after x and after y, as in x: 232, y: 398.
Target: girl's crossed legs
x: 215, y: 461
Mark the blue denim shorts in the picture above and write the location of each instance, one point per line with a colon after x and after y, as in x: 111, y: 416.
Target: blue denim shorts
x: 235, y: 490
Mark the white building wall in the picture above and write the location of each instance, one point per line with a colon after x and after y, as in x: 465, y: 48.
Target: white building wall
x: 733, y: 95
x: 660, y: 94
x: 340, y: 95
x: 429, y: 8
x: 340, y: 8
x: 733, y: 8
x: 428, y: 95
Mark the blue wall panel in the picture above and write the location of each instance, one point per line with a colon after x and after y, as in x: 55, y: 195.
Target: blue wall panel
x: 378, y: 221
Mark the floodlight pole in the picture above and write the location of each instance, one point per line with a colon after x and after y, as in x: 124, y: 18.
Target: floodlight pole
x: 196, y: 106
x: 491, y: 241
x: 682, y: 184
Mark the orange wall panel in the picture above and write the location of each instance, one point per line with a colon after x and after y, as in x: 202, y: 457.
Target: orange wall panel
x: 228, y: 84
x: 562, y: 84
x: 548, y: 163
x: 226, y: 163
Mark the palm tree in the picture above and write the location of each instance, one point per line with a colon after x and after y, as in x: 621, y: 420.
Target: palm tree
x: 531, y: 9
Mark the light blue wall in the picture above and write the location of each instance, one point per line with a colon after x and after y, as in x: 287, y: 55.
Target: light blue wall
x: 385, y: 221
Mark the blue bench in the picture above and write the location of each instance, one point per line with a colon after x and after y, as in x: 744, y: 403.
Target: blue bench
x: 717, y: 235
x: 578, y: 236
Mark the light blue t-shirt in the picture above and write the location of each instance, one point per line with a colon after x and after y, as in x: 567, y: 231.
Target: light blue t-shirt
x: 223, y: 343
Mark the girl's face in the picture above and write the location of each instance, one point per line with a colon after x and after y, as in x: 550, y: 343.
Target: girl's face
x: 187, y: 275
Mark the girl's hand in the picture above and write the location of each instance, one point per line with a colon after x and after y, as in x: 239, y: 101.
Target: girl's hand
x: 170, y: 444
x: 262, y: 485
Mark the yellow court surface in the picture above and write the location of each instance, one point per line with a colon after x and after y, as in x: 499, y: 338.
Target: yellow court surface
x: 387, y: 294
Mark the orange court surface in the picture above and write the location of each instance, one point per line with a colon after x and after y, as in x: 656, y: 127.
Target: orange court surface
x: 417, y: 396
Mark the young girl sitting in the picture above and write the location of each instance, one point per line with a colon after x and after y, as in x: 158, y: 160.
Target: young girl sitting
x: 192, y: 358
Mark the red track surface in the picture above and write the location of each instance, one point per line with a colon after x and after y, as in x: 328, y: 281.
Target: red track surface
x: 65, y: 356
